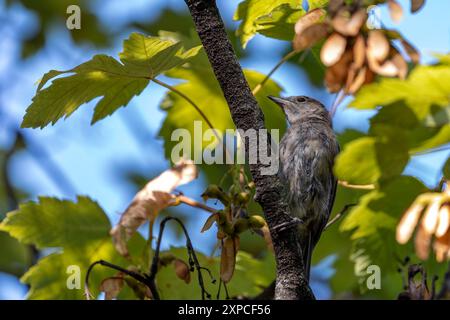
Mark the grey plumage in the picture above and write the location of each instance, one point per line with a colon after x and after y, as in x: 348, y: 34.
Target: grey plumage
x: 307, y: 152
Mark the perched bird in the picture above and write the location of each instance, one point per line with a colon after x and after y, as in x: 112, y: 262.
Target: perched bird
x: 307, y: 152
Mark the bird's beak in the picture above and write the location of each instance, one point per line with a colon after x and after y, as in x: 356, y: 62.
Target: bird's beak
x: 279, y: 101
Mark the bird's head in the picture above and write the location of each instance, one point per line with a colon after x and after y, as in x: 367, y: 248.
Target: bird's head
x: 298, y: 108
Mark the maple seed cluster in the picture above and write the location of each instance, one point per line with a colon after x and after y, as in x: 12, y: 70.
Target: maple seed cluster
x: 352, y: 53
x: 435, y: 223
x: 231, y: 221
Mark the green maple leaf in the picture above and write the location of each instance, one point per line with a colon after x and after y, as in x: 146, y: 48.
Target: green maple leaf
x: 142, y: 59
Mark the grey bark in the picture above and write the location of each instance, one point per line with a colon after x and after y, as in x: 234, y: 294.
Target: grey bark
x: 246, y: 114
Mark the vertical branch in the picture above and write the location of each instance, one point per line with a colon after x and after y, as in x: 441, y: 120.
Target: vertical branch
x: 270, y: 194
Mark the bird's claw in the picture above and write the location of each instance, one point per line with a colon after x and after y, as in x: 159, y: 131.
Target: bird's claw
x: 294, y: 222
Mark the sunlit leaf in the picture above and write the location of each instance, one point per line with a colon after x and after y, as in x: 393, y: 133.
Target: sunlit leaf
x: 103, y: 76
x: 373, y: 222
x: 77, y: 233
x: 367, y: 160
x: 279, y: 23
x: 426, y: 87
x: 314, y: 4
x: 249, y: 11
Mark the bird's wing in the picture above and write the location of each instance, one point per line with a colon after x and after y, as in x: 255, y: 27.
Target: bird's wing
x: 330, y: 201
x: 332, y: 194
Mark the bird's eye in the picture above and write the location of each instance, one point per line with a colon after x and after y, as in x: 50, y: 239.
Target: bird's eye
x: 301, y: 99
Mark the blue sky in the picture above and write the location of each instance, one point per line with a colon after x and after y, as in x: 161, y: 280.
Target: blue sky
x: 90, y: 156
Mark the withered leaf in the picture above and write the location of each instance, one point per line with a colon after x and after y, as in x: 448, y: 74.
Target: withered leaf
x: 149, y: 201
x: 310, y: 36
x: 182, y: 270
x: 309, y: 29
x: 441, y: 247
x: 230, y: 248
x: 333, y: 49
x: 412, y: 52
x: 387, y: 69
x: 416, y: 5
x: 210, y: 221
x: 395, y: 10
x: 355, y: 80
x: 349, y: 25
x: 359, y: 52
x: 444, y: 221
x: 378, y: 46
x: 400, y: 63
x: 336, y: 75
x: 112, y: 287
x: 431, y: 216
x: 422, y: 243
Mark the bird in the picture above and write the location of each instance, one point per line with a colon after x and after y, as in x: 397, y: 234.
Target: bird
x: 306, y: 153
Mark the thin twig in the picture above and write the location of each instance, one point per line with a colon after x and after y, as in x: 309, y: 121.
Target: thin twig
x: 356, y: 186
x: 197, y: 108
x: 134, y: 275
x: 194, y: 203
x: 439, y: 149
x: 185, y: 97
x: 271, y: 72
x: 339, y: 215
x: 192, y: 257
x: 337, y: 101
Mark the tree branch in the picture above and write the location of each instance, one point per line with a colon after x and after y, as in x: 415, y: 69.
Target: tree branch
x: 291, y: 283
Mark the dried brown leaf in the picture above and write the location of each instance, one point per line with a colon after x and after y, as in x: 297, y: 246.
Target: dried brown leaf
x: 359, y: 52
x: 228, y: 258
x: 309, y: 29
x: 422, y: 243
x: 441, y: 247
x: 182, y: 270
x: 401, y: 65
x: 396, y: 10
x: 312, y: 17
x: 112, y: 287
x: 431, y: 217
x: 370, y: 76
x: 416, y: 5
x: 444, y: 221
x: 149, y: 201
x: 336, y: 75
x: 355, y: 80
x: 333, y: 49
x: 349, y: 25
x: 378, y: 46
x: 310, y: 36
x: 210, y: 221
x: 412, y: 52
